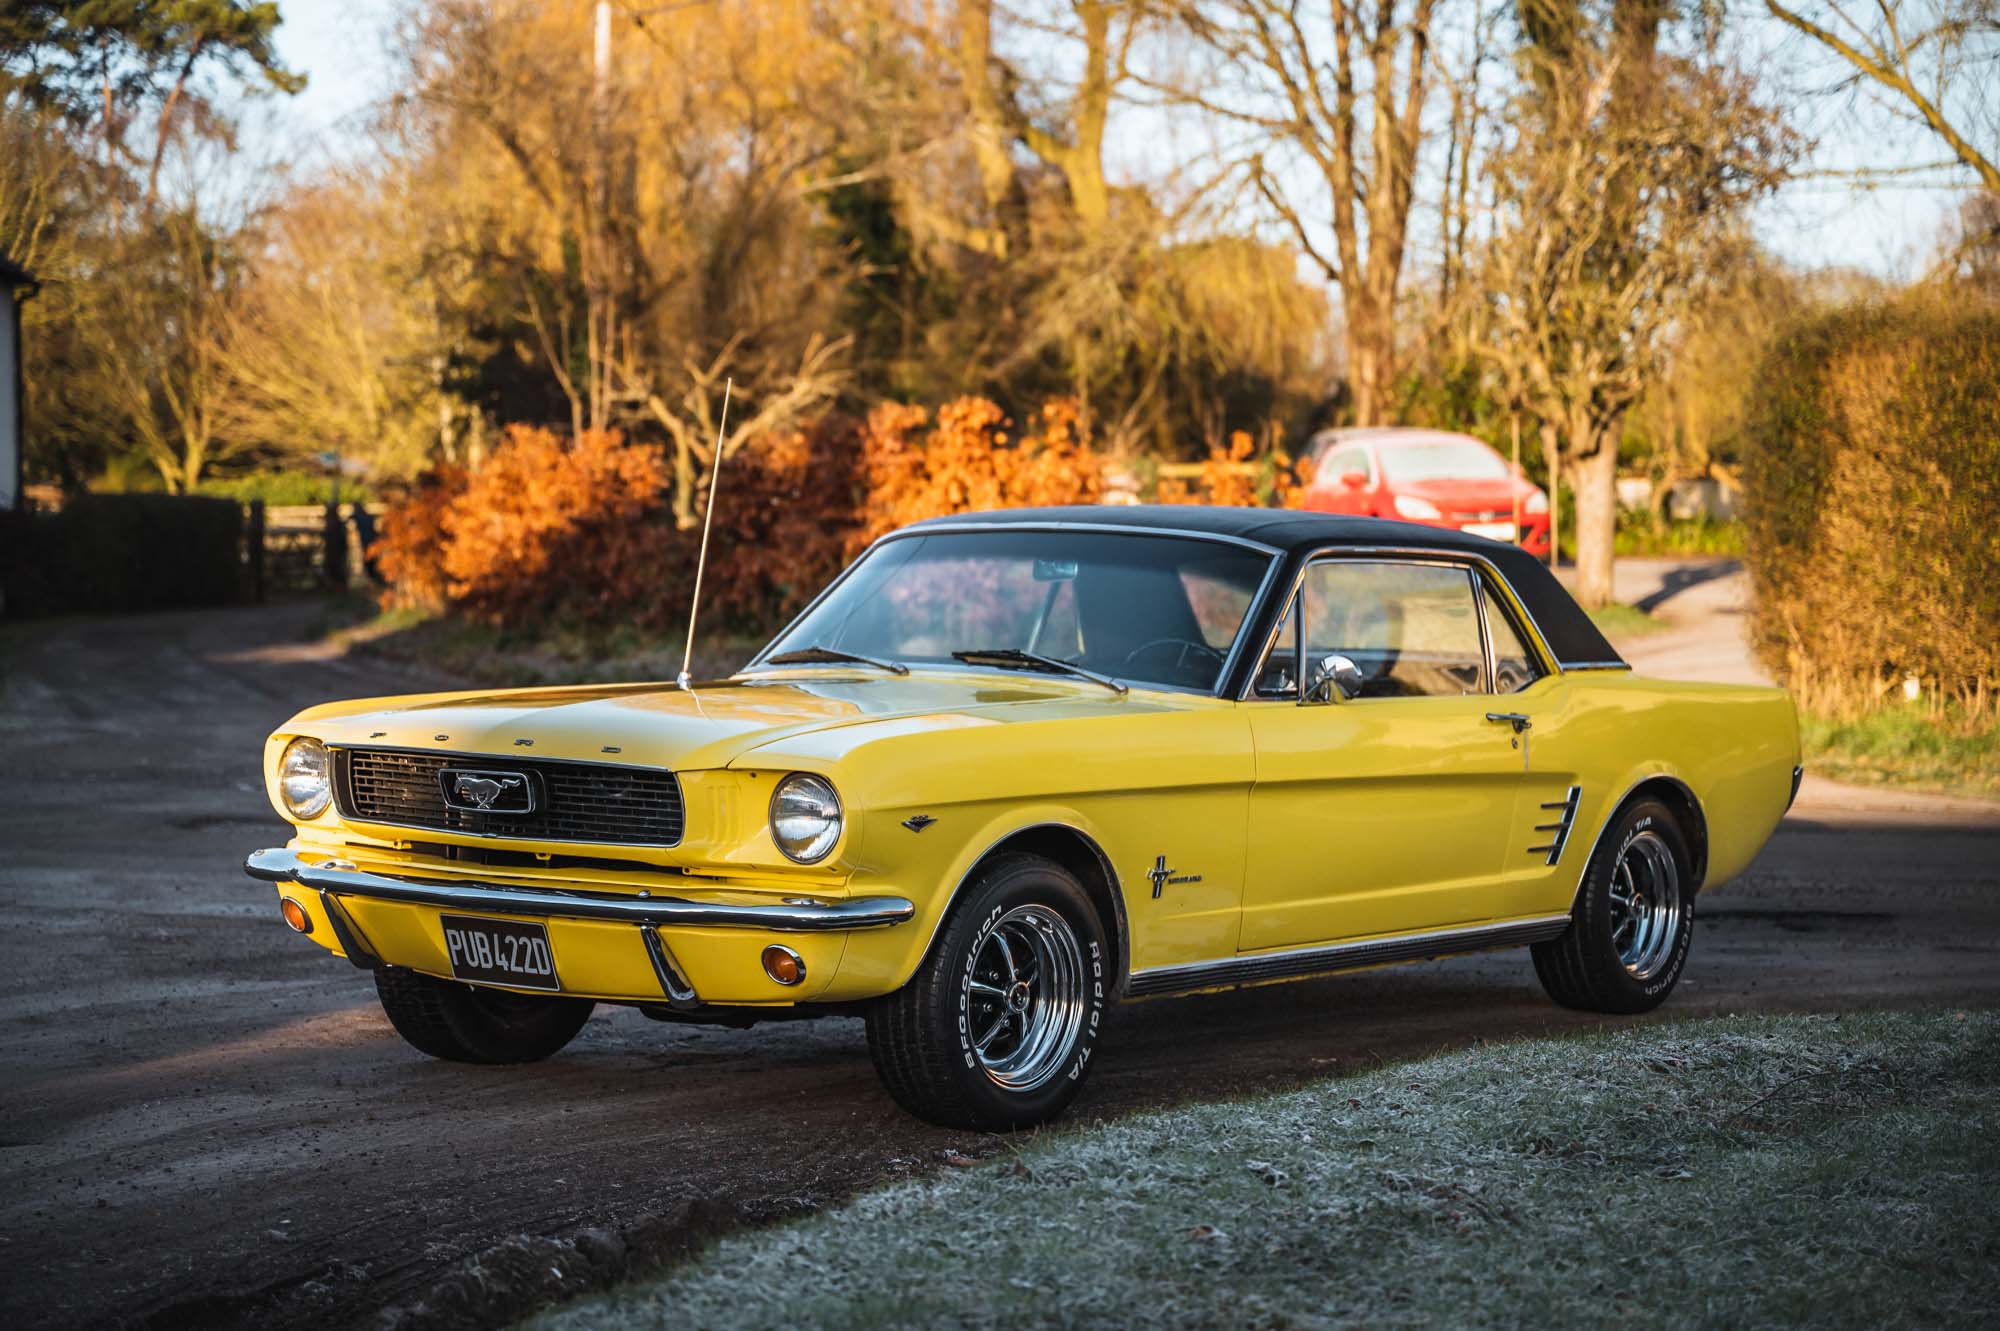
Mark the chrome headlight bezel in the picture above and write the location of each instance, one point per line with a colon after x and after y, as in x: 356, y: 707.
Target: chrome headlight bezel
x: 305, y: 778
x: 802, y: 800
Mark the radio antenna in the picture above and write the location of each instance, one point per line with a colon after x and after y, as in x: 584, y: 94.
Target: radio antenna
x: 685, y: 680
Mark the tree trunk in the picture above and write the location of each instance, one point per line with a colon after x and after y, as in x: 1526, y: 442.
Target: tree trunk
x: 1552, y: 459
x: 684, y: 515
x: 1596, y: 488
x: 1368, y: 337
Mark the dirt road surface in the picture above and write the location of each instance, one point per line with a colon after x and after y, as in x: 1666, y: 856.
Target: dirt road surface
x: 207, y: 1122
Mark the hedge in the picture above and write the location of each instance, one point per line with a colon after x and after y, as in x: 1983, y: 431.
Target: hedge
x: 123, y: 552
x: 1872, y: 503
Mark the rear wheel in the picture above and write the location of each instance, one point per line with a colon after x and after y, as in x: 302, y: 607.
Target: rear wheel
x: 466, y: 1024
x: 1633, y: 921
x: 997, y: 1027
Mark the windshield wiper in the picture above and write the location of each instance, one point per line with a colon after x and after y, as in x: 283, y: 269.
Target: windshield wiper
x: 1014, y: 656
x: 816, y: 653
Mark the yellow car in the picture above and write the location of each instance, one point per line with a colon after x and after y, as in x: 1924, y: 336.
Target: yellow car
x: 1012, y: 767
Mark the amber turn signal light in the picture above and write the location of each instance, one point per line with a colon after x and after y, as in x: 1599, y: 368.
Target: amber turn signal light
x: 295, y: 916
x: 784, y: 965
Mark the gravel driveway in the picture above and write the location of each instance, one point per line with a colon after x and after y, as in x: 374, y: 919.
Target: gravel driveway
x: 205, y: 1121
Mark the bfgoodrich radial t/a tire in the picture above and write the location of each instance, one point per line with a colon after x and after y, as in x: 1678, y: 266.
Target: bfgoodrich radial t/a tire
x: 465, y: 1024
x: 997, y: 1028
x: 1633, y: 921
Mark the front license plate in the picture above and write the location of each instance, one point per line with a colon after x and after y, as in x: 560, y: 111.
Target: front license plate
x: 499, y: 952
x: 1494, y: 531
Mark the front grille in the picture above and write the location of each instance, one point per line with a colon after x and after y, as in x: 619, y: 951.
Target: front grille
x: 591, y: 802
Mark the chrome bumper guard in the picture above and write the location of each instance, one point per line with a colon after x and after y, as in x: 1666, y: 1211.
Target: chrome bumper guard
x: 333, y: 879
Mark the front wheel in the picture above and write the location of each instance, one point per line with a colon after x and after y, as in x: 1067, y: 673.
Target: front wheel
x: 996, y: 1029
x: 1633, y: 921
x: 446, y: 1019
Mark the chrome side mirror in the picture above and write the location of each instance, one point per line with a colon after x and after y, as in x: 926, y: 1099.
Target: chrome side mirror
x: 1333, y: 677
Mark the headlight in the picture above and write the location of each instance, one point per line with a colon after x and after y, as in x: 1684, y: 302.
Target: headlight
x: 805, y: 817
x: 1537, y: 503
x: 1412, y: 507
x: 305, y: 778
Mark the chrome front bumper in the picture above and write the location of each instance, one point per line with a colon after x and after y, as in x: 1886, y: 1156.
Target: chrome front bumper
x: 333, y: 879
x: 342, y: 879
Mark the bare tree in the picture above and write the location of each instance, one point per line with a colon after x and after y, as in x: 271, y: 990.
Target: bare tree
x: 156, y: 329
x: 1936, y: 61
x: 1629, y: 176
x: 1343, y: 95
x: 329, y: 347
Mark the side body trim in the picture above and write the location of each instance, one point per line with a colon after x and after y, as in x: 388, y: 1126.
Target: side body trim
x: 1302, y: 962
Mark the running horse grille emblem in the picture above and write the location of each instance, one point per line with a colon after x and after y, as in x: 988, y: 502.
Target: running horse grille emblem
x: 1163, y: 877
x: 487, y: 792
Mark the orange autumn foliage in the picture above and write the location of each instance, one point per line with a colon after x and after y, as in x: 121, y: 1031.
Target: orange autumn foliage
x: 1237, y: 477
x: 555, y: 530
x: 966, y: 462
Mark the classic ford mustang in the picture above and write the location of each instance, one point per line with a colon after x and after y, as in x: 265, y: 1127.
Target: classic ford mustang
x: 1012, y: 767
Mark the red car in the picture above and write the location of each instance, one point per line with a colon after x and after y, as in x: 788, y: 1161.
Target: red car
x: 1429, y: 476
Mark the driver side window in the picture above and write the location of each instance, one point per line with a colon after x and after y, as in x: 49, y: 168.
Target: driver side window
x: 1411, y: 629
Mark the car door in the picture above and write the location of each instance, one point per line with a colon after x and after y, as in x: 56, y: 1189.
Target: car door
x: 1332, y: 492
x: 1391, y: 811
x: 1548, y: 845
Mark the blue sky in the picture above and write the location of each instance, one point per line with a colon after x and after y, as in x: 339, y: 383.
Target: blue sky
x: 343, y: 45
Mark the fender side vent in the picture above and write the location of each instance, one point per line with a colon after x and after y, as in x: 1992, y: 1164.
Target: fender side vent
x: 1565, y: 811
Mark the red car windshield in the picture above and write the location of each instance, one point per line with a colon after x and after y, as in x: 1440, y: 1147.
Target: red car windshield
x: 1447, y: 459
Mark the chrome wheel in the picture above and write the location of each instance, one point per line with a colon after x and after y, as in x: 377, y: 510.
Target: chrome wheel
x: 1028, y: 994
x: 1645, y: 905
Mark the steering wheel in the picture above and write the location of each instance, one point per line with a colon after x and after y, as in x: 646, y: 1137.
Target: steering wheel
x: 1185, y: 647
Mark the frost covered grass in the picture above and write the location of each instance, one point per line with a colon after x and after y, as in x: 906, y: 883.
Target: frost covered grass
x: 1734, y: 1172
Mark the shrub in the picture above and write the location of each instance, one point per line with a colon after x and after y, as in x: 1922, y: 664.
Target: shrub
x: 123, y: 552
x: 1872, y: 522
x: 286, y: 488
x: 966, y: 462
x: 538, y: 532
x: 1236, y: 476
x: 554, y: 531
x: 410, y: 551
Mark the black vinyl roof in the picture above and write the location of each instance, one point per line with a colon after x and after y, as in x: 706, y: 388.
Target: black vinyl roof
x: 1296, y: 535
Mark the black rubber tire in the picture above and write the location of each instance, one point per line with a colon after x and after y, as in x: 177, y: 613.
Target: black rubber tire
x: 917, y: 1035
x: 1580, y: 968
x: 449, y: 1020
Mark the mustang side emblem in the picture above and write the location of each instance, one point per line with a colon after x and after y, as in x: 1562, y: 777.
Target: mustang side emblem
x: 919, y: 822
x: 1163, y: 877
x: 487, y: 792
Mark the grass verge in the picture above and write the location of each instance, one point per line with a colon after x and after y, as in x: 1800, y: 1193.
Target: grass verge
x: 1906, y: 746
x: 488, y: 657
x: 1823, y: 1171
x: 1640, y: 534
x: 1619, y: 620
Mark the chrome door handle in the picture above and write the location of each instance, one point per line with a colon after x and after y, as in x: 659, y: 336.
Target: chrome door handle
x: 1514, y: 719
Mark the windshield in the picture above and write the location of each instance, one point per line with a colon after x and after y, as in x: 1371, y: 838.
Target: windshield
x: 1447, y: 459
x: 1151, y: 610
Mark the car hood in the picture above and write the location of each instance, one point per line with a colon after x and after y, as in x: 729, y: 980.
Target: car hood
x: 1459, y: 493
x: 708, y: 726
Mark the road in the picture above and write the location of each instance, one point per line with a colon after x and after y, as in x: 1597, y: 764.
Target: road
x: 207, y: 1122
